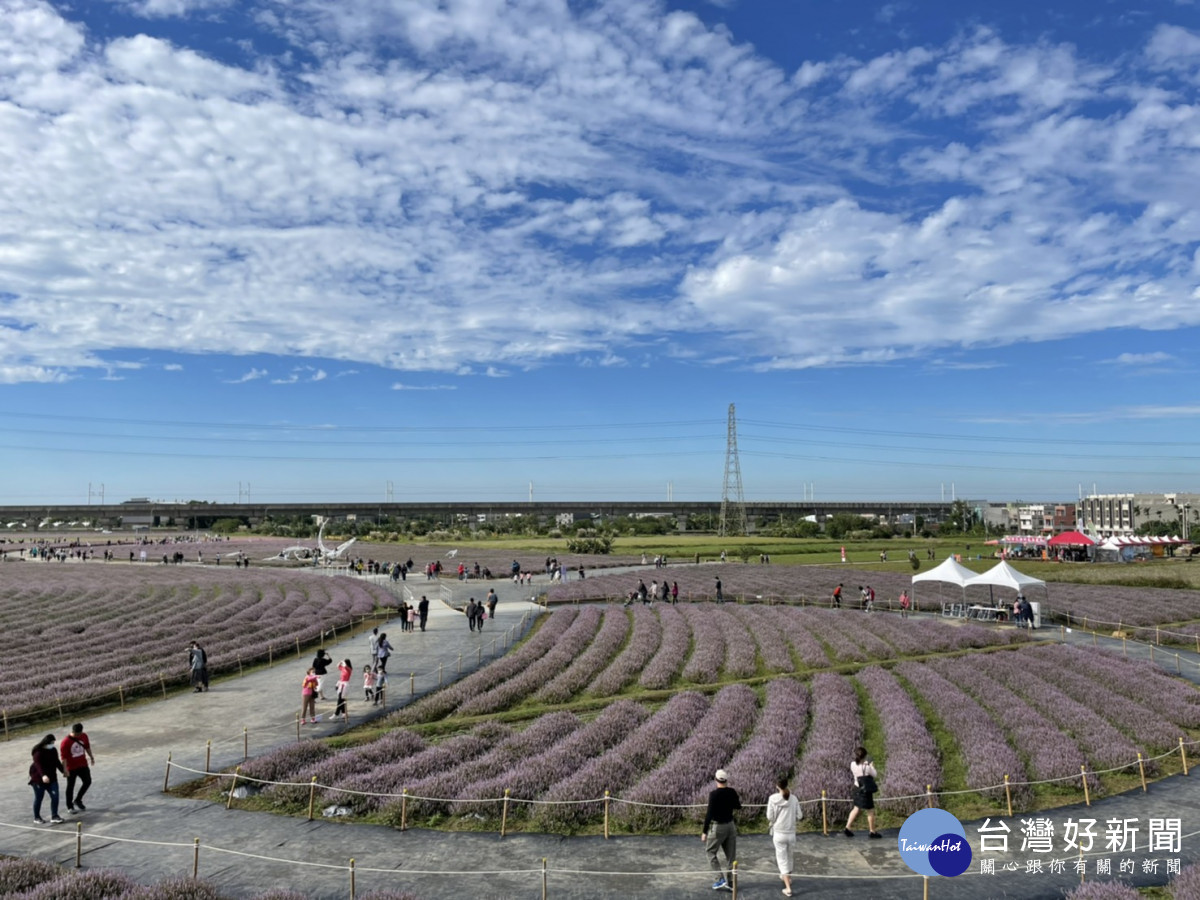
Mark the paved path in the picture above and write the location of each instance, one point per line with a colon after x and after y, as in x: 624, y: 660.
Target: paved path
x: 126, y: 804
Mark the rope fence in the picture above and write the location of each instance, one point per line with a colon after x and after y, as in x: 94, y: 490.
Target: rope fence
x: 449, y: 668
x: 541, y: 874
x: 929, y: 798
x: 394, y: 877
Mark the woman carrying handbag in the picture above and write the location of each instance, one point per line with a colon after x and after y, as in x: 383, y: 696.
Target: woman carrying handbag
x: 865, y: 788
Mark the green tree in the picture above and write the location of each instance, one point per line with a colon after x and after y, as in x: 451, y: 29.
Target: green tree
x: 839, y: 525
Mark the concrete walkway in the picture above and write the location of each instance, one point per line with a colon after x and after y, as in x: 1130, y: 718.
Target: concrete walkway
x: 127, y: 809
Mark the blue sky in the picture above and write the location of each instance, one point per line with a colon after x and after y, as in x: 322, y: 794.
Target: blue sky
x: 441, y: 249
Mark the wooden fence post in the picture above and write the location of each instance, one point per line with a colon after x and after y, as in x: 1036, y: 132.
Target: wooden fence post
x: 233, y: 787
x: 1086, y: 796
x: 606, y: 802
x: 167, y: 777
x: 1008, y: 796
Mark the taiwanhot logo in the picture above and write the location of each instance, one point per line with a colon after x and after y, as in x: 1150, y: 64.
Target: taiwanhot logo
x: 933, y: 842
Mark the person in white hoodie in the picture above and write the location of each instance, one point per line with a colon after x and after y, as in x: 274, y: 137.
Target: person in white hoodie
x: 783, y: 811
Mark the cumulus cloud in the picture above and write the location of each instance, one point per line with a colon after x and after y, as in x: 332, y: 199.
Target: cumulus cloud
x: 463, y: 188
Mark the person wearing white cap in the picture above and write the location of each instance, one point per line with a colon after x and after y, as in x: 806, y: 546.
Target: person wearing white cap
x: 720, y: 831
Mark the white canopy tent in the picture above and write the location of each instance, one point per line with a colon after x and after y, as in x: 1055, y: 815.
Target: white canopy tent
x: 950, y: 571
x: 1004, y: 575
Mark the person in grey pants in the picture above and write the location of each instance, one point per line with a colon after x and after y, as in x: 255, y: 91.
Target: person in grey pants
x: 720, y: 831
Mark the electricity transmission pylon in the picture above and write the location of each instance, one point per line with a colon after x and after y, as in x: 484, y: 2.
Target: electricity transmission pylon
x: 733, y: 502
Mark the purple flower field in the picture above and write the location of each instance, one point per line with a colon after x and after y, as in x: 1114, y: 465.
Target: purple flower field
x: 135, y: 622
x: 1034, y: 712
x: 813, y: 586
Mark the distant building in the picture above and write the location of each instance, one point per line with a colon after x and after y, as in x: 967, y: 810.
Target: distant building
x: 1108, y: 515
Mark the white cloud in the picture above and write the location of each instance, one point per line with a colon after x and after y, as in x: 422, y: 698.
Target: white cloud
x: 252, y: 375
x: 16, y: 374
x: 172, y: 367
x: 400, y: 386
x: 1143, y: 359
x: 466, y: 188
x: 159, y: 9
x: 1173, y: 47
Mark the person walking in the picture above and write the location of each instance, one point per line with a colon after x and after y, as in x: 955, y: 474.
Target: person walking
x: 345, y: 671
x: 492, y: 600
x: 373, y: 645
x: 423, y: 611
x: 905, y: 604
x: 720, y: 593
x: 412, y: 618
x: 865, y: 787
x: 198, y: 664
x: 783, y: 811
x: 43, y: 777
x: 470, y: 611
x: 674, y: 593
x: 385, y: 650
x: 308, y: 697
x: 76, y: 751
x: 837, y: 597
x: 720, y: 831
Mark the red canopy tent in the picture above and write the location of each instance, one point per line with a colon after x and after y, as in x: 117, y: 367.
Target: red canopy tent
x: 1070, y: 539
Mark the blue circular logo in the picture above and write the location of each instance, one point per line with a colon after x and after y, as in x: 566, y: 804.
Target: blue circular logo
x: 933, y: 842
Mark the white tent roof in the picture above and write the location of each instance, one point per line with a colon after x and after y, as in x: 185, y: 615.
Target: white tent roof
x: 1004, y: 575
x: 950, y: 571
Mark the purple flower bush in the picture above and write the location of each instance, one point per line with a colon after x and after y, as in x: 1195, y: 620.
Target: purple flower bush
x: 676, y: 639
x: 1105, y: 746
x: 642, y: 751
x: 1143, y: 683
x: 584, y: 668
x: 771, y: 749
x: 537, y: 673
x: 96, y: 884
x: 641, y: 647
x: 710, y: 745
x: 1186, y: 885
x: 17, y: 875
x: 286, y: 762
x: 453, y: 780
x: 445, y: 701
x: 397, y: 744
x: 741, y: 653
x: 1137, y: 720
x: 365, y: 791
x: 530, y: 777
x: 835, y: 732
x: 985, y: 750
x: 1050, y: 753
x: 1105, y: 890
x: 912, y: 757
x: 708, y: 646
x: 772, y: 645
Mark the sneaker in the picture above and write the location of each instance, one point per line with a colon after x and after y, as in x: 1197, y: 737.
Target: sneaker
x: 875, y: 834
x: 57, y: 820
x: 70, y: 809
x: 847, y: 832
x: 786, y: 892
x: 79, y: 806
x: 720, y: 884
x: 38, y: 820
